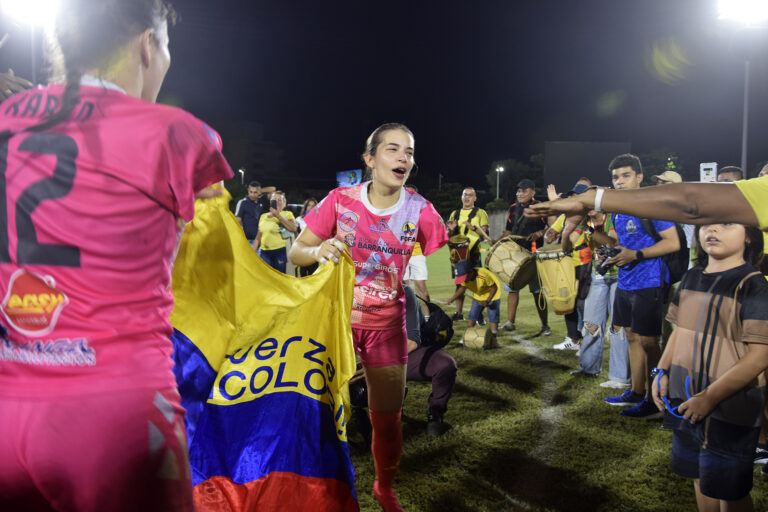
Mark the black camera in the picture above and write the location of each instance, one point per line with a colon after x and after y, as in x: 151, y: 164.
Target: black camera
x: 605, y: 253
x: 358, y: 394
x: 273, y: 204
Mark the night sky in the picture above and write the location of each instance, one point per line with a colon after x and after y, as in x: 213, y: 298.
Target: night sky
x: 476, y: 81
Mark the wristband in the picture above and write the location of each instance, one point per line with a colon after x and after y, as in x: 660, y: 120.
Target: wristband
x: 639, y: 256
x: 599, y: 199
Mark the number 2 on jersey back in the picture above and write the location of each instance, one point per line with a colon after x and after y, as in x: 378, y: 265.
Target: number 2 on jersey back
x: 29, y: 249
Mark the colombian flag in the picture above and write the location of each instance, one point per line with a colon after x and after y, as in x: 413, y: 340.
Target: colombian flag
x: 262, y: 360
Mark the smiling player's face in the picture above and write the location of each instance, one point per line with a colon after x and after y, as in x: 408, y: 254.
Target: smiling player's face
x: 393, y: 160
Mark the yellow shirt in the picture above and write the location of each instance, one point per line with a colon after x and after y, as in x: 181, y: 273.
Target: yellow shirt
x: 482, y: 284
x: 480, y: 219
x: 271, y: 234
x: 416, y: 250
x: 756, y: 193
x: 582, y: 256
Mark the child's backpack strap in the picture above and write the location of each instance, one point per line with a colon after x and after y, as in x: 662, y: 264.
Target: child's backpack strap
x: 734, y: 313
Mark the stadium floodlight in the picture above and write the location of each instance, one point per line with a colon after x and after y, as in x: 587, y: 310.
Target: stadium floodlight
x: 34, y: 13
x: 750, y: 13
x: 499, y: 170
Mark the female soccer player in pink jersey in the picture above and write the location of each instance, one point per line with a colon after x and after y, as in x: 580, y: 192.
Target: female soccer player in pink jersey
x: 94, y: 178
x: 379, y: 222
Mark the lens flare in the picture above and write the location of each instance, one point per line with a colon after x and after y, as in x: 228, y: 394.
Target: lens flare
x: 667, y: 62
x: 751, y: 13
x: 37, y: 13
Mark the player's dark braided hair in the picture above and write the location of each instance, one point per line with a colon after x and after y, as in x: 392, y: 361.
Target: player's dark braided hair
x: 88, y: 35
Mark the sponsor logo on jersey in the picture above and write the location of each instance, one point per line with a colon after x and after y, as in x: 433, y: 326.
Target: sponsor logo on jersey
x: 409, y: 230
x: 379, y: 227
x: 366, y: 266
x: 60, y: 352
x: 382, y: 247
x: 349, y: 239
x: 33, y: 303
x: 348, y: 221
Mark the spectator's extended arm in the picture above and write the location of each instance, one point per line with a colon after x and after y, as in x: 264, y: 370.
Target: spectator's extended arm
x: 688, y: 203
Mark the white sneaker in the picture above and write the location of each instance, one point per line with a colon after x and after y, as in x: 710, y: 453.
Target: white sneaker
x: 507, y: 326
x: 614, y: 384
x: 567, y: 344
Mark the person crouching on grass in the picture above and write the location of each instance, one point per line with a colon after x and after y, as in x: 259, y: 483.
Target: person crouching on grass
x: 487, y: 294
x: 711, y: 373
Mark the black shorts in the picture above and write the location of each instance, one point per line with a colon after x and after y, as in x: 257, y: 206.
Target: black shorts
x: 725, y: 473
x: 640, y: 310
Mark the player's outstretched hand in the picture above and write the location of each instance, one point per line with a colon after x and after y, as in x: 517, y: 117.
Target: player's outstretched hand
x: 10, y: 84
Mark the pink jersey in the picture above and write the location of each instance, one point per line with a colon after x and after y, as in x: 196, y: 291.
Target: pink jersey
x: 89, y: 220
x: 380, y: 243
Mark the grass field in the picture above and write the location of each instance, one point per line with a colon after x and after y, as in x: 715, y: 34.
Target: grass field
x: 526, y: 435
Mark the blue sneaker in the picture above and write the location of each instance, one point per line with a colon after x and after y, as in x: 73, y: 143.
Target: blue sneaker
x: 645, y: 410
x: 628, y: 397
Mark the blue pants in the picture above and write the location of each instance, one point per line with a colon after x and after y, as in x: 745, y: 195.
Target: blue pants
x: 275, y: 258
x: 493, y: 311
x: 597, y: 308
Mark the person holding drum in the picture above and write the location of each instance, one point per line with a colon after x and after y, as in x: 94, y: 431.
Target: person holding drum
x: 525, y: 231
x: 467, y: 226
x: 582, y: 259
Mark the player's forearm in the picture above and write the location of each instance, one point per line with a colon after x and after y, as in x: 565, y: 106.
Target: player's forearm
x: 302, y: 254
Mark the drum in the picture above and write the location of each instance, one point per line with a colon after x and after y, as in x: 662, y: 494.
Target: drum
x: 558, y: 278
x: 474, y: 337
x: 459, y: 246
x: 511, y: 263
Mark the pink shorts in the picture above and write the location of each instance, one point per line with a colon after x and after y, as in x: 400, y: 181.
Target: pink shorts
x: 124, y: 450
x: 381, y: 348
